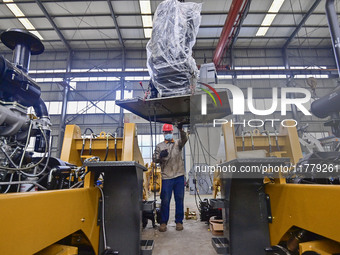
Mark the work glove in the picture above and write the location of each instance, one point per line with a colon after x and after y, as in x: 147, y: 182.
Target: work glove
x: 164, y: 153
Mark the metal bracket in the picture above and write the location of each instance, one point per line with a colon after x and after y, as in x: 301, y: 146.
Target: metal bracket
x: 269, y: 209
x: 100, y: 216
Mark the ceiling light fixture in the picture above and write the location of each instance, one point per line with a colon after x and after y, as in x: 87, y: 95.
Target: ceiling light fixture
x: 268, y: 19
x: 21, y: 17
x: 145, y: 9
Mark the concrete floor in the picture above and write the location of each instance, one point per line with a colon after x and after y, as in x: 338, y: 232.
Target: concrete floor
x: 195, y: 239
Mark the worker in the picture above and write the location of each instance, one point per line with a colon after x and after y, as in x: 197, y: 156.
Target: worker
x: 168, y: 154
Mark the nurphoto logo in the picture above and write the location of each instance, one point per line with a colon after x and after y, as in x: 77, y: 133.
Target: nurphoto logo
x: 239, y: 101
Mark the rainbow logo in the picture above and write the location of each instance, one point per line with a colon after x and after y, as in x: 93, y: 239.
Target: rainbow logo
x: 209, y: 93
x: 204, y: 98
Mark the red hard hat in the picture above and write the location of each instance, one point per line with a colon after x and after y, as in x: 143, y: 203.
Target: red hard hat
x: 167, y: 128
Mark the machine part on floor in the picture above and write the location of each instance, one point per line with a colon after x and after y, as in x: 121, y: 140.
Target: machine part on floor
x: 170, y: 63
x: 147, y: 247
x: 216, y: 184
x: 218, y: 203
x: 207, y: 211
x: 219, y: 159
x: 221, y: 245
x: 190, y: 215
x: 176, y: 109
x: 153, y: 179
x: 158, y: 215
x: 148, y: 213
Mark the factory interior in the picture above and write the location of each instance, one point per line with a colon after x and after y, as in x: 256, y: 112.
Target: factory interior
x: 174, y: 127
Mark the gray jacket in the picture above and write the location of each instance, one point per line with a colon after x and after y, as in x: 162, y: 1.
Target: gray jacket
x: 171, y: 166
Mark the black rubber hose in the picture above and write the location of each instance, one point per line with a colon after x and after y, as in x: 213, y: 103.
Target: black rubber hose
x: 40, y: 108
x: 106, y: 151
x: 116, y: 156
x: 2, y: 67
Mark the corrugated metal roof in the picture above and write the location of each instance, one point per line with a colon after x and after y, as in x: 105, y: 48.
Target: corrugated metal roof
x: 89, y: 24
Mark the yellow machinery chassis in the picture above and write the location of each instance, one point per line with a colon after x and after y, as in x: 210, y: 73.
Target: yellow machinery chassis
x: 308, y: 207
x: 33, y: 222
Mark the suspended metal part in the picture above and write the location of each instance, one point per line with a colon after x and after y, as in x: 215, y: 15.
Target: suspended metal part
x: 334, y: 28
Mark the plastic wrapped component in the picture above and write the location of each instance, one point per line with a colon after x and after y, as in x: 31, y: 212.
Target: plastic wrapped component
x: 170, y: 63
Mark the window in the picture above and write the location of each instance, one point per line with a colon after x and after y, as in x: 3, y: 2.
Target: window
x: 110, y: 107
x: 55, y: 107
x: 144, y: 142
x: 72, y: 107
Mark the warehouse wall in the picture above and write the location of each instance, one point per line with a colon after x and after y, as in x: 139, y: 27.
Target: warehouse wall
x: 94, y: 89
x: 137, y: 58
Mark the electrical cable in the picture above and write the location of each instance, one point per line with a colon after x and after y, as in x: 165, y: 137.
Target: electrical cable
x: 10, y: 180
x: 269, y: 139
x: 195, y: 179
x: 154, y: 168
x: 199, y: 140
x: 116, y: 156
x: 107, y: 147
x: 201, y: 183
x: 202, y: 147
x: 84, y: 139
x: 119, y: 127
x: 103, y: 218
x: 77, y: 185
x: 152, y: 152
x: 198, y: 159
x: 8, y: 157
x: 90, y: 148
x: 82, y: 150
x: 19, y: 179
x: 85, y: 132
x: 242, y: 134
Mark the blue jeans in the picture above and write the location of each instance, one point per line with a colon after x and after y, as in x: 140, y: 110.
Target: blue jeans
x: 176, y: 185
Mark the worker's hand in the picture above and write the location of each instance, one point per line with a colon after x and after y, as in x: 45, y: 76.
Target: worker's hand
x: 164, y: 153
